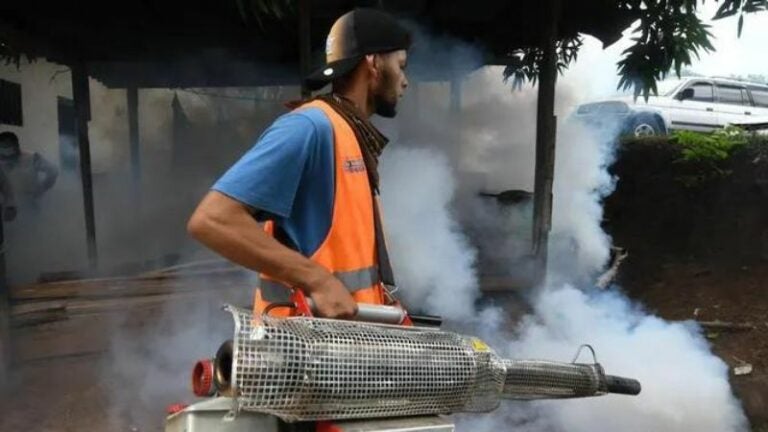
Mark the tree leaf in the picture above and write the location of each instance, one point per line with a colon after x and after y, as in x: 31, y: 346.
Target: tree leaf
x: 741, y: 24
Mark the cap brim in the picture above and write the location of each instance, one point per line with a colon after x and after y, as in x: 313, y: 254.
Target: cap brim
x: 322, y: 76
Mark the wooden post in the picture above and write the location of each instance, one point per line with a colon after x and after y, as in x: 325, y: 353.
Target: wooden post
x: 305, y: 45
x: 546, y: 124
x: 414, y: 93
x: 455, y: 95
x: 82, y: 99
x: 5, y: 313
x: 132, y: 94
x: 455, y: 114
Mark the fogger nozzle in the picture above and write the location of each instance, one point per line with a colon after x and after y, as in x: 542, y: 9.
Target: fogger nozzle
x: 540, y: 379
x: 222, y: 368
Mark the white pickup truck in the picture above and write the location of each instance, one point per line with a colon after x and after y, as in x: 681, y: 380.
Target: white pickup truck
x: 691, y: 103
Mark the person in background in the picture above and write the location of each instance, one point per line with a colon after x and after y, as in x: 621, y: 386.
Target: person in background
x: 26, y: 176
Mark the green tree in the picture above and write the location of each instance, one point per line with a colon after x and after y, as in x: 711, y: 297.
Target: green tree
x: 668, y: 36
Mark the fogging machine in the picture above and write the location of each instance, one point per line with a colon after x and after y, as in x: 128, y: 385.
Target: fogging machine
x: 379, y: 372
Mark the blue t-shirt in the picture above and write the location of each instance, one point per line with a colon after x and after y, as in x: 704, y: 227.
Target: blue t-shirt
x: 289, y: 174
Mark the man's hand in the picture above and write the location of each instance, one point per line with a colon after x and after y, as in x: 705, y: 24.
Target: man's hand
x: 332, y: 300
x: 228, y: 227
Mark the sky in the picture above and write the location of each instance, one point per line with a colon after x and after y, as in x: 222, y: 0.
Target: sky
x: 732, y: 56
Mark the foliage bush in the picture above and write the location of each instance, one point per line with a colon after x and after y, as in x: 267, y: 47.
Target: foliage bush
x: 704, y: 154
x: 713, y: 147
x: 698, y: 158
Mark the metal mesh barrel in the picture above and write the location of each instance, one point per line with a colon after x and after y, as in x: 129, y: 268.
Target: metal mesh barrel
x: 302, y: 369
x: 317, y: 369
x: 538, y: 379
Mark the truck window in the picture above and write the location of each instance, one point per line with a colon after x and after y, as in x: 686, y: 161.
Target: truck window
x: 731, y: 95
x: 702, y: 92
x: 760, y: 96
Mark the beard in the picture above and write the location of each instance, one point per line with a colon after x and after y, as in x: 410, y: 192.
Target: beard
x: 385, y: 107
x: 385, y: 99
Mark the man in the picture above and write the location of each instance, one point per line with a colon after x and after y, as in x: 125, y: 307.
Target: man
x: 313, y: 177
x: 26, y: 176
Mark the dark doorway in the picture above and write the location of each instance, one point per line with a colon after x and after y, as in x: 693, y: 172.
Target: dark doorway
x: 69, y: 154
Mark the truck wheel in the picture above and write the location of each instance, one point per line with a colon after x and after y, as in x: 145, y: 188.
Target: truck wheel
x: 645, y: 125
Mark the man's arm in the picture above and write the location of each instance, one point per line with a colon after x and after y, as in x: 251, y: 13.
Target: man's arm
x: 7, y: 203
x: 48, y: 171
x: 227, y: 227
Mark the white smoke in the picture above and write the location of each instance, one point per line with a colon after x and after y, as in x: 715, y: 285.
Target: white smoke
x: 685, y: 387
x: 579, y: 248
x: 435, y: 261
x: 148, y: 368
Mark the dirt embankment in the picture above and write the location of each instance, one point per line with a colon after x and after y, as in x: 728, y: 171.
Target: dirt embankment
x: 697, y: 234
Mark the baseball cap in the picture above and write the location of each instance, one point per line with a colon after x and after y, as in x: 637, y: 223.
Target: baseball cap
x: 355, y: 34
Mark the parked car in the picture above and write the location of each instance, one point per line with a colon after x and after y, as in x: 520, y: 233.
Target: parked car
x: 691, y: 103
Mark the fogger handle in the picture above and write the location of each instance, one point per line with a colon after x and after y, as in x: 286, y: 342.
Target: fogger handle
x: 621, y: 385
x: 382, y: 314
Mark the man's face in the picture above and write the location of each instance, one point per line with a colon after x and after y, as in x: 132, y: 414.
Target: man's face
x: 391, y: 82
x: 9, y: 150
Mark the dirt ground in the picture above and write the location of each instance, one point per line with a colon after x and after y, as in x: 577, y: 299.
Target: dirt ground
x: 84, y: 393
x: 57, y: 396
x: 736, y: 295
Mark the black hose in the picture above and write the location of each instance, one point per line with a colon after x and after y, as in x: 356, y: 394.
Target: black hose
x: 621, y: 385
x: 426, y: 320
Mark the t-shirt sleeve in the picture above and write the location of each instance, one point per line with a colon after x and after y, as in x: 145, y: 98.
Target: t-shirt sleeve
x: 267, y: 176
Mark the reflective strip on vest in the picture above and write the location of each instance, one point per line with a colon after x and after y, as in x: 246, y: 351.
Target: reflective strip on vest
x: 274, y: 291
x: 358, y: 279
x: 354, y: 281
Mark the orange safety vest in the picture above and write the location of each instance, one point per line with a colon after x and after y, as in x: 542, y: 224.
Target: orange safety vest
x: 349, y: 249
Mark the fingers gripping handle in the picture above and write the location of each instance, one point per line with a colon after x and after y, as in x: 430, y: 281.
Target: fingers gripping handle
x: 383, y: 314
x: 373, y: 313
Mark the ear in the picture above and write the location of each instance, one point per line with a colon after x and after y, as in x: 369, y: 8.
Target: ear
x: 372, y: 65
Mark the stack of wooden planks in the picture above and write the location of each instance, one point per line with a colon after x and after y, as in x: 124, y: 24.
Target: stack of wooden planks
x: 71, y: 318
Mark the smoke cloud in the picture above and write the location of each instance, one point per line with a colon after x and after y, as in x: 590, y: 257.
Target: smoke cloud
x: 148, y: 368
x: 434, y: 261
x: 685, y: 387
x: 672, y: 361
x: 579, y: 248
